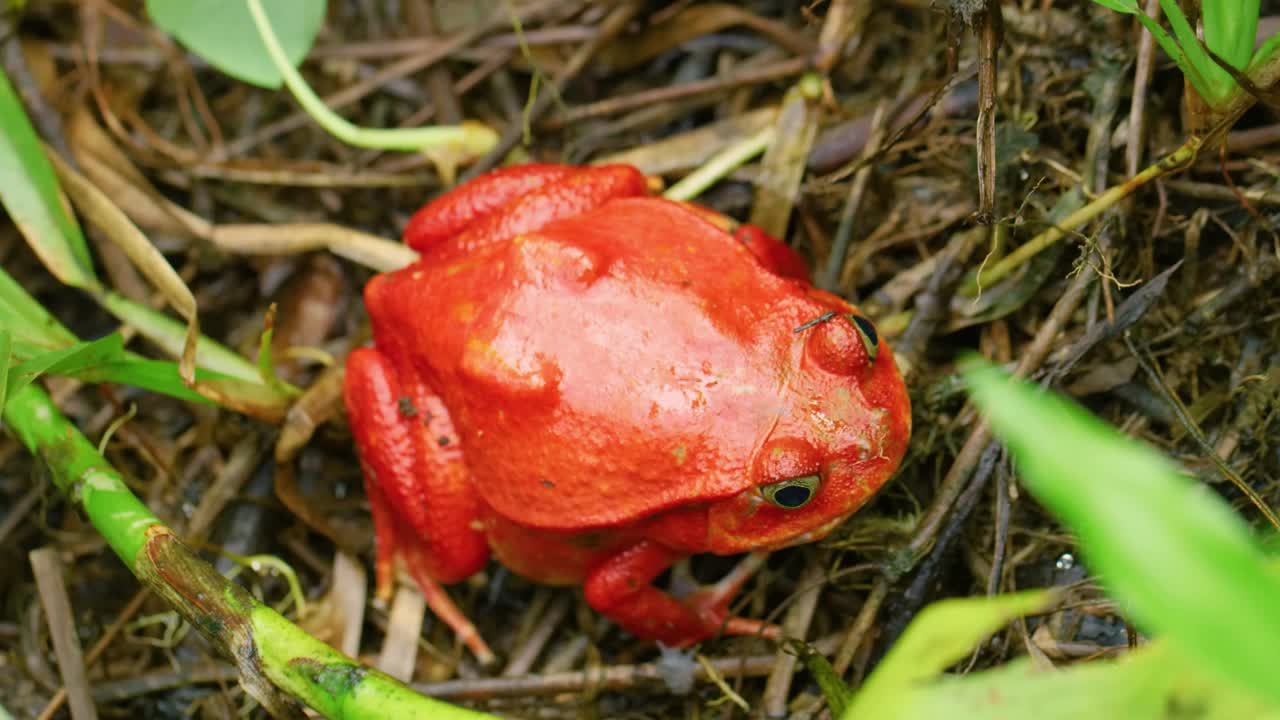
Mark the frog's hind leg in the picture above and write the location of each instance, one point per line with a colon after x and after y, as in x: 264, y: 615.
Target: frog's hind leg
x: 425, y: 508
x: 621, y: 588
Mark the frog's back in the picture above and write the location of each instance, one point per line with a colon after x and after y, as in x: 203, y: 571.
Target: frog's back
x: 611, y: 365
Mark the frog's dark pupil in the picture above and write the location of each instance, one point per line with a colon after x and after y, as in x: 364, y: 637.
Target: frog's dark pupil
x: 792, y: 496
x: 866, y: 328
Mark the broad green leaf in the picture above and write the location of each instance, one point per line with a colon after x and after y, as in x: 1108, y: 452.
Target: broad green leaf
x: 944, y: 633
x: 1230, y: 27
x: 223, y: 33
x: 1177, y: 559
x: 1146, y: 684
x: 29, y: 192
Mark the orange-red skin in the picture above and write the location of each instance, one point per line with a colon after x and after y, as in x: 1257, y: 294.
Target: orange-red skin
x: 593, y: 383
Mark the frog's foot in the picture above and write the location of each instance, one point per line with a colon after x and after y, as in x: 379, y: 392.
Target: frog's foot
x: 425, y: 508
x: 395, y: 544
x: 621, y: 589
x: 715, y: 600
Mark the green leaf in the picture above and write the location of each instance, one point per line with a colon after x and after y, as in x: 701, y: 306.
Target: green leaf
x: 838, y: 694
x: 1128, y: 7
x: 62, y: 362
x: 159, y: 376
x: 223, y: 33
x: 1172, y: 552
x: 944, y: 633
x: 1230, y: 27
x: 1212, y: 82
x: 29, y: 192
x: 27, y: 319
x: 5, y: 359
x: 170, y: 335
x: 1147, y: 684
x: 1266, y: 51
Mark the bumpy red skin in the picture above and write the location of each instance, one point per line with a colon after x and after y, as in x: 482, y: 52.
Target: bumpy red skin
x: 594, y: 384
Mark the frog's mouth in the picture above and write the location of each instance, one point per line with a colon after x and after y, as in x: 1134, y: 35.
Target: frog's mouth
x: 813, y: 534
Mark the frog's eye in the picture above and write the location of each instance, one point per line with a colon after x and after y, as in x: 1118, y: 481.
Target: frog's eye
x: 793, y: 493
x: 870, y: 338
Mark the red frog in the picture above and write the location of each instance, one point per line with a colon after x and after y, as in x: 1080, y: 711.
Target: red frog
x: 593, y: 383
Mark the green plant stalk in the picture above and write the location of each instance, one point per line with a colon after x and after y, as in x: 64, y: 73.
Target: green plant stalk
x: 1170, y: 163
x: 1264, y: 73
x: 271, y: 653
x: 469, y: 139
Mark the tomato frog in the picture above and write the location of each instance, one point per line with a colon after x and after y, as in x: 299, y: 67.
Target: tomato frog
x: 593, y: 383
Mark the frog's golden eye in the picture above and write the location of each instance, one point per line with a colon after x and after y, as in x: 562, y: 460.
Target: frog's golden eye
x: 793, y: 493
x: 870, y: 338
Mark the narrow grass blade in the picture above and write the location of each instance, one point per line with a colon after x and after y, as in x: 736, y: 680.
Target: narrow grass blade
x: 29, y: 192
x: 171, y: 335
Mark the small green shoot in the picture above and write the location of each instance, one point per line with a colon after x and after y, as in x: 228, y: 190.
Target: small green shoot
x: 1229, y: 30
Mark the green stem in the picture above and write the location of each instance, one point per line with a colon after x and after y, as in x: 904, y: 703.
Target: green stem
x: 470, y: 139
x: 725, y: 162
x: 272, y: 654
x: 79, y: 472
x: 1172, y: 162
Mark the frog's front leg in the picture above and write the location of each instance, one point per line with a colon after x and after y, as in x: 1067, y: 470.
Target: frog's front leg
x: 621, y: 588
x: 425, y: 508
